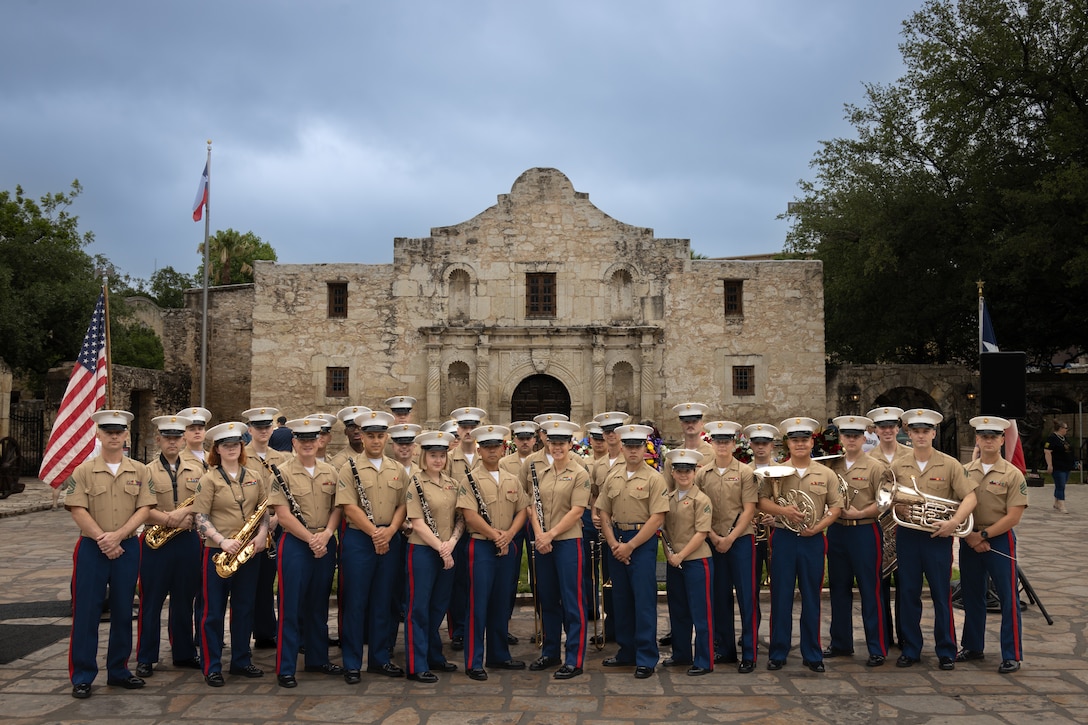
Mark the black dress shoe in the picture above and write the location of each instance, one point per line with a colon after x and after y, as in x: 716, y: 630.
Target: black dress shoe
x: 388, y: 669
x: 773, y: 665
x: 144, y: 669
x: 814, y: 665
x: 249, y: 671
x: 615, y: 662
x: 673, y: 662
x: 1006, y: 667
x: 334, y: 641
x: 446, y: 666
x: 947, y: 663
x: 427, y: 677
x: 264, y: 643
x: 215, y: 679
x: 746, y: 666
x: 193, y: 663
x: 725, y: 658
x: 81, y: 692
x: 643, y: 672
x: 874, y: 661
x: 132, y: 682
x: 328, y: 669
x: 830, y: 651
x: 966, y: 655
x: 457, y: 644
x: 543, y: 663
x: 352, y: 677
x: 567, y: 672
x: 511, y: 639
x: 666, y: 640
x: 508, y: 665
x: 477, y: 674
x: 694, y: 671
x: 905, y: 661
x: 287, y: 680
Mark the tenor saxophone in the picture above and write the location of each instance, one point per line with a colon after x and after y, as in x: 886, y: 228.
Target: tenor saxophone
x: 227, y: 564
x: 157, y: 535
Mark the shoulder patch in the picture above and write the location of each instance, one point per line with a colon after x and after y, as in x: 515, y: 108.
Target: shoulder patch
x: 70, y: 485
x: 1024, y: 488
x: 706, y: 509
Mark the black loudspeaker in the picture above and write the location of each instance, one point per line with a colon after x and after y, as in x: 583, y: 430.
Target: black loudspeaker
x: 1004, y: 384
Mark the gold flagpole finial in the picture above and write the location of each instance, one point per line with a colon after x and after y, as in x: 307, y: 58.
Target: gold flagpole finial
x: 980, y: 284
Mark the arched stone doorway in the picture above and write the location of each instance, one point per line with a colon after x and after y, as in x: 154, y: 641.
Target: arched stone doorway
x: 538, y: 394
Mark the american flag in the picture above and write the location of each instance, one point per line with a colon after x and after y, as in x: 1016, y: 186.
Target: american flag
x: 72, y: 438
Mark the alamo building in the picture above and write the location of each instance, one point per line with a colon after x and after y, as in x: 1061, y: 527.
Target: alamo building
x: 540, y: 303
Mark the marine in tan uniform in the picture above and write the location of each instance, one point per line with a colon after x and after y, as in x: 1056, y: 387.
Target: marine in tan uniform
x: 109, y: 497
x: 229, y: 496
x: 371, y: 493
x: 194, y: 434
x: 632, y: 505
x: 173, y: 569
x: 493, y: 505
x: 352, y: 433
x: 733, y: 493
x: 691, y: 423
x: 990, y: 549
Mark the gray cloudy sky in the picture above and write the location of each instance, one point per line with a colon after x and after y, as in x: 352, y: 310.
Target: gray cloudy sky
x: 340, y: 125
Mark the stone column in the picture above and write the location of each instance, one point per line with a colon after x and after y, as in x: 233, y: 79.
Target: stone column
x: 646, y: 376
x: 434, y: 381
x: 483, y: 375
x: 597, y: 394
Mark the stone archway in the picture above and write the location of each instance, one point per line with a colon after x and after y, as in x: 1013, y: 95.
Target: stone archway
x: 538, y: 394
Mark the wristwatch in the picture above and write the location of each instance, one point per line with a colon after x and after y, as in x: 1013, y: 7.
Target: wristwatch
x: 984, y: 534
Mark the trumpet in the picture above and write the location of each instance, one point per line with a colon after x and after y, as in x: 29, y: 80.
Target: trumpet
x: 922, y: 511
x: 794, y: 497
x: 157, y: 535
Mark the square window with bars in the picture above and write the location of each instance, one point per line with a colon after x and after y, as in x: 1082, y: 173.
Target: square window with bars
x: 734, y: 298
x: 540, y: 294
x: 336, y: 383
x: 744, y: 380
x: 338, y: 299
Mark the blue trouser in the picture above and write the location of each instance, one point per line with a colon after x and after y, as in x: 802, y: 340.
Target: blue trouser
x: 921, y: 555
x: 1002, y: 571
x: 458, y: 611
x: 92, y: 573
x: 429, y: 587
x: 735, y: 571
x: 173, y: 569
x: 1060, y: 479
x: 559, y: 586
x: 240, y: 589
x: 491, y: 577
x: 856, y: 552
x: 589, y: 544
x: 691, y: 601
x: 634, y: 591
x: 305, y: 585
x: 264, y: 598
x: 796, y: 560
x: 366, y: 580
x: 521, y: 540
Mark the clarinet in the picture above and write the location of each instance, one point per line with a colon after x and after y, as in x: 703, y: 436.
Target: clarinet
x: 367, y: 509
x: 296, y: 510
x: 479, y: 499
x: 538, y: 505
x: 668, y: 545
x: 427, y: 517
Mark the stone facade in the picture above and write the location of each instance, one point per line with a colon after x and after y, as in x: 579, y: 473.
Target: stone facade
x: 634, y: 324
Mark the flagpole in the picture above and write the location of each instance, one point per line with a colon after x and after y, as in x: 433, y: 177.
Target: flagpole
x: 204, y: 313
x: 109, y: 356
x: 981, y: 304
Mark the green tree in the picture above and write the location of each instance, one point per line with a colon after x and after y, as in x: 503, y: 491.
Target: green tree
x: 231, y: 255
x: 48, y: 285
x: 167, y: 286
x: 973, y: 165
x: 135, y: 344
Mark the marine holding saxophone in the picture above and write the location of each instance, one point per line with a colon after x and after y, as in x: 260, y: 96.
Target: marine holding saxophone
x: 230, y: 500
x: 799, y: 557
x: 170, y: 559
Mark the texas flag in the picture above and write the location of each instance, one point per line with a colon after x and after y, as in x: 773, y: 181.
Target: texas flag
x: 201, y: 196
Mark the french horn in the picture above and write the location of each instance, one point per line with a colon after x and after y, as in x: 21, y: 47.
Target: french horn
x: 801, y: 500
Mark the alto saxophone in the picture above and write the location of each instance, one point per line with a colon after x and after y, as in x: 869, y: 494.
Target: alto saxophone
x: 157, y: 535
x: 227, y: 564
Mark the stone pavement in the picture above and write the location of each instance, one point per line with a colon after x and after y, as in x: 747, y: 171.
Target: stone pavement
x: 35, y: 562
